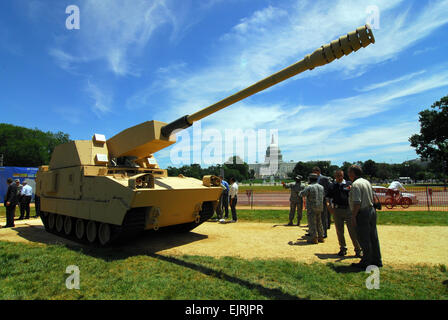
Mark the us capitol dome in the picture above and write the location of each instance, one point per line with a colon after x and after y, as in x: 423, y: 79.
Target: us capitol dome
x: 273, y: 165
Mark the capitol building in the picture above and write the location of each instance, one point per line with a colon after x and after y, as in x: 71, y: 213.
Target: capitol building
x: 273, y: 165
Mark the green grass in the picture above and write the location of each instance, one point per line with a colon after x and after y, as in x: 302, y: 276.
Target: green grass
x: 409, y: 218
x: 263, y: 189
x: 38, y: 272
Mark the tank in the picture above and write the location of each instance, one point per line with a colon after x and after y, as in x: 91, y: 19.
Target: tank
x: 99, y: 190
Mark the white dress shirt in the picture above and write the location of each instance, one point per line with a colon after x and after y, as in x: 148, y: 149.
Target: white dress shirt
x: 27, y: 190
x: 233, y: 190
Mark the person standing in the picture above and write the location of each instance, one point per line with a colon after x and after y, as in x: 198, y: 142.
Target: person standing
x: 338, y: 193
x: 224, y: 199
x: 11, y: 200
x: 324, y: 181
x: 314, y: 194
x: 295, y: 201
x: 364, y: 218
x: 233, y: 193
x: 26, y: 193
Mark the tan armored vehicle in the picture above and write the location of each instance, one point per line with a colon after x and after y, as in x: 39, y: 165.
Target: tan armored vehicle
x: 98, y: 189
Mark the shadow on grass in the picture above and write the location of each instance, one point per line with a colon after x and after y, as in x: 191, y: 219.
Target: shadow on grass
x: 344, y: 269
x: 145, y: 243
x: 326, y: 256
x: 149, y: 243
x: 267, y: 292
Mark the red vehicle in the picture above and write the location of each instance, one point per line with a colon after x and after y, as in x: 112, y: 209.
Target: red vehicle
x: 391, y: 198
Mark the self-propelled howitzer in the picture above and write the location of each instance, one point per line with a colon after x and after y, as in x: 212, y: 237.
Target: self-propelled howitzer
x: 98, y: 189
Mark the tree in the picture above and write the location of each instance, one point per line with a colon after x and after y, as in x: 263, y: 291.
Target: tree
x: 24, y: 147
x: 432, y: 142
x: 369, y: 168
x: 236, y: 167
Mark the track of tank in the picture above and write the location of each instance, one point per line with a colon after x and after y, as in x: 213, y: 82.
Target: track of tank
x: 100, y: 234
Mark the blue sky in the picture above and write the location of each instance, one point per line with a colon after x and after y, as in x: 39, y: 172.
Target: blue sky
x: 133, y: 61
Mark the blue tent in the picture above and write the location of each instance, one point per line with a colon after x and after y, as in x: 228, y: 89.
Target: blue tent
x: 23, y: 174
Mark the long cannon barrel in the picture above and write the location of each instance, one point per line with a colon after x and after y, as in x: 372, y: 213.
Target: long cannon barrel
x: 345, y: 45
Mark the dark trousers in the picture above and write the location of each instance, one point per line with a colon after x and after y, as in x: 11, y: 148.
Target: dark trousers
x: 25, y: 206
x: 325, y: 219
x: 37, y: 205
x: 368, y: 236
x: 233, y: 207
x: 223, y: 205
x: 10, y: 213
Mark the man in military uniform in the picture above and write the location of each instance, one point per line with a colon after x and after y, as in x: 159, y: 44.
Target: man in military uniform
x: 325, y: 182
x: 314, y: 194
x: 295, y: 201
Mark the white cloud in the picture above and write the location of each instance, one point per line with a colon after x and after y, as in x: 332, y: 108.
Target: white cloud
x: 393, y: 81
x: 114, y: 31
x: 102, y: 101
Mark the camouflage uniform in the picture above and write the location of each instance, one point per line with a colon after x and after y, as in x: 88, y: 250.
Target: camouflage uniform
x: 314, y: 206
x: 295, y: 201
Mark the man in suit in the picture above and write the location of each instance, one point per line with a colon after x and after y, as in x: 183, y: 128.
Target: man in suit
x: 325, y: 182
x: 11, y: 200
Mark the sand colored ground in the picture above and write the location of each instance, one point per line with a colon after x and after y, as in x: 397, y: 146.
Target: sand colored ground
x: 400, y: 245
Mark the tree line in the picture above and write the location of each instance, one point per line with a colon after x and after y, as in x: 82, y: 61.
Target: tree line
x: 376, y: 171
x: 24, y: 147
x: 232, y: 168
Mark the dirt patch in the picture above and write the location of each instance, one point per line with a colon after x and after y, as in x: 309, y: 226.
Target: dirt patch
x: 400, y: 245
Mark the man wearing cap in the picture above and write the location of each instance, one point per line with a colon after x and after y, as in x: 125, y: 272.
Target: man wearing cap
x: 25, y: 200
x: 295, y: 200
x: 314, y: 194
x: 325, y: 182
x: 11, y: 200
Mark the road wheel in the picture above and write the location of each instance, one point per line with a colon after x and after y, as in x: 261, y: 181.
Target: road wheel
x: 389, y: 203
x: 51, y: 221
x: 104, y: 234
x: 91, y: 231
x: 405, y: 203
x: 80, y: 229
x: 44, y: 218
x: 68, y: 226
x: 59, y: 223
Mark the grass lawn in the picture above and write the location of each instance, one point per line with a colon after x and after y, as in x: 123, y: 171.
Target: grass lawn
x: 263, y: 189
x: 3, y: 212
x: 411, y: 218
x: 38, y: 272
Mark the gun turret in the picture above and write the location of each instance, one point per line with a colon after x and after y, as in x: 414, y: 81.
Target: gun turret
x: 149, y: 137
